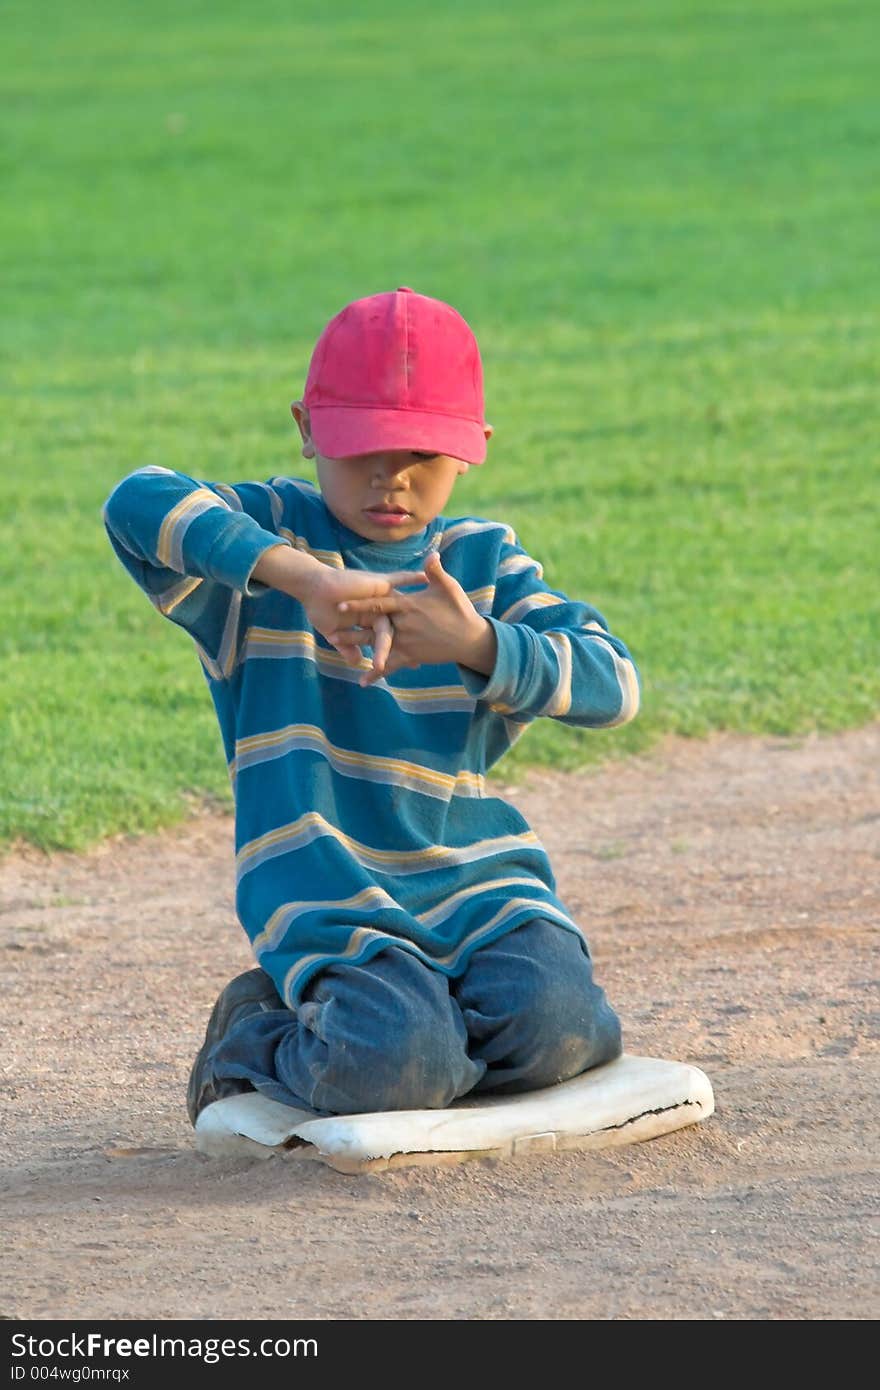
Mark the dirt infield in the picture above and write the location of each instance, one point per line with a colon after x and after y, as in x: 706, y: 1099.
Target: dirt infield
x: 729, y: 889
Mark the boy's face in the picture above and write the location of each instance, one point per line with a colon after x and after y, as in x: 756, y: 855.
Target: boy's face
x: 383, y: 496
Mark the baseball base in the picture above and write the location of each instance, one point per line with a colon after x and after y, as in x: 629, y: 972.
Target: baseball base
x: 625, y: 1102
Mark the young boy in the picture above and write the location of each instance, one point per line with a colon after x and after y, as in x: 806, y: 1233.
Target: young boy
x: 370, y: 659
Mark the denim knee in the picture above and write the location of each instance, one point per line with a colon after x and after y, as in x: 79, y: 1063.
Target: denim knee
x: 533, y: 1011
x: 380, y: 1036
x: 571, y: 1026
x: 582, y: 1038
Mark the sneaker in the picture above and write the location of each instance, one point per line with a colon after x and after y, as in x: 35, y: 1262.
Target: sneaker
x: 250, y: 993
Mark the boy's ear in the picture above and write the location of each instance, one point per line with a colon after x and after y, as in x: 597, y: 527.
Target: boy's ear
x: 301, y: 416
x: 488, y: 431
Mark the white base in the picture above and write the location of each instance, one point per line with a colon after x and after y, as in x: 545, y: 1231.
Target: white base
x: 624, y: 1102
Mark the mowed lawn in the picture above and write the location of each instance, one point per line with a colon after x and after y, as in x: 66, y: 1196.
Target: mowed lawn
x: 659, y: 217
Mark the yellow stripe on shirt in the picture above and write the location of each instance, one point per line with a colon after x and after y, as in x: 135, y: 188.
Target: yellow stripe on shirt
x: 285, y: 839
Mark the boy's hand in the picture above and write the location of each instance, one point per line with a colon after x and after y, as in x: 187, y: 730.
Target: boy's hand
x: 437, y: 624
x: 328, y: 587
x: 320, y: 588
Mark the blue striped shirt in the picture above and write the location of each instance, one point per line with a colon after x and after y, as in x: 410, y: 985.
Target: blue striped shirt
x: 363, y: 817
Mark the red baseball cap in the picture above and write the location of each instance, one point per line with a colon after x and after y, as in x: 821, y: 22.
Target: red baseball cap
x: 397, y: 371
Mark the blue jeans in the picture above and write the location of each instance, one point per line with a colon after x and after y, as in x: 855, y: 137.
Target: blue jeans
x: 392, y: 1034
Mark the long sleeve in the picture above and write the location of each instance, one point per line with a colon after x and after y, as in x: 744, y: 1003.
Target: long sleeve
x: 556, y: 656
x: 192, y: 547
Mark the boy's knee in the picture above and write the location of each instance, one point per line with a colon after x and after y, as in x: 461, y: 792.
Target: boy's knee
x: 534, y: 1011
x: 422, y: 1071
x: 387, y: 1038
x: 417, y: 1067
x: 573, y: 1032
x: 597, y: 1040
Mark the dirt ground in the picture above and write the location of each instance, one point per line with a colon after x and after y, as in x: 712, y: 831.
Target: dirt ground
x: 729, y: 889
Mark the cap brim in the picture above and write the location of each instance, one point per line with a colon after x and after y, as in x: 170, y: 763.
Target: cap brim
x: 343, y: 431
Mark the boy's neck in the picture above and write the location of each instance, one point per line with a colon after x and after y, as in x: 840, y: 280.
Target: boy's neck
x: 410, y: 546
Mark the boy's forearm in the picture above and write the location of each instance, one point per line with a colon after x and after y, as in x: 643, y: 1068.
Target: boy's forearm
x: 282, y: 567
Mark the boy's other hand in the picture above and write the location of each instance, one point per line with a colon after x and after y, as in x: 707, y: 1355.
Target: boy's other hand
x: 321, y: 588
x: 437, y: 624
x: 328, y: 587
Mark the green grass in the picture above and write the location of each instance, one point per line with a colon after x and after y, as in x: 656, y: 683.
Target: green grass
x: 659, y: 216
